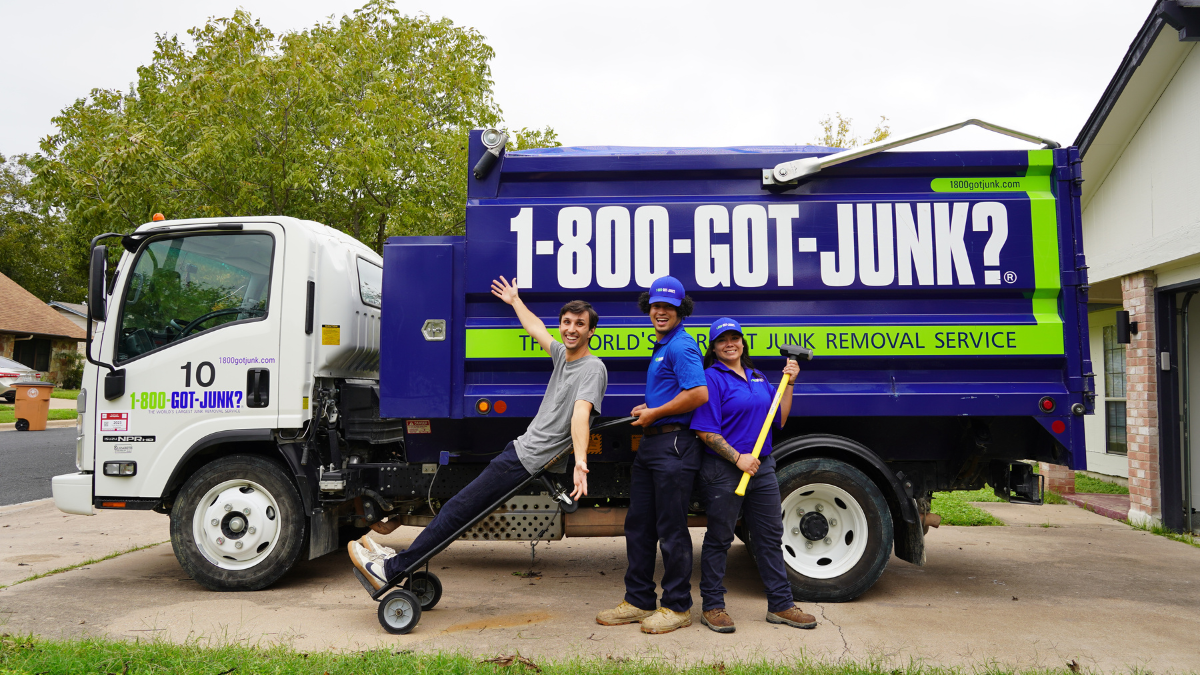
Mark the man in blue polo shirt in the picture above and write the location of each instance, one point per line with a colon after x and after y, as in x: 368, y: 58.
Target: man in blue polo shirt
x: 660, y: 485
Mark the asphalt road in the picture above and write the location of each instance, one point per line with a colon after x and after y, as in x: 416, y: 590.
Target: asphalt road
x: 29, y: 459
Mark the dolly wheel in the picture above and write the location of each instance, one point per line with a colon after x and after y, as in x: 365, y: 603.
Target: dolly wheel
x: 399, y: 612
x: 427, y: 587
x: 22, y: 424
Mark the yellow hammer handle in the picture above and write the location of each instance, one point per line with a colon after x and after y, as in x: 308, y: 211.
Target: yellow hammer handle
x: 762, y: 435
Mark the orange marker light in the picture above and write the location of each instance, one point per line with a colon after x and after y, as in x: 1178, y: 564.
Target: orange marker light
x: 483, y: 406
x: 500, y: 407
x: 157, y: 217
x: 112, y: 505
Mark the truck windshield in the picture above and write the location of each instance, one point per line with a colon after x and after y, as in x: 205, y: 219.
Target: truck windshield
x: 186, y: 285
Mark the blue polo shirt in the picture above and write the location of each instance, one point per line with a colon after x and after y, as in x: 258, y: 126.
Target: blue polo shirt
x: 736, y: 408
x: 675, y: 365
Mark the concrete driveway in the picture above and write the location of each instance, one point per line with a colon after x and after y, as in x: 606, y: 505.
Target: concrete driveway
x: 1057, y: 584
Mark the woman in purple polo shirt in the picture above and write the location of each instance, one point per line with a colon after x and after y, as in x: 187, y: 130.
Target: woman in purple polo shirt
x: 739, y: 398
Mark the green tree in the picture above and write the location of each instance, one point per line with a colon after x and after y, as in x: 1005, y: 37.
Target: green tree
x: 359, y: 123
x: 525, y: 138
x: 30, y: 246
x: 837, y: 134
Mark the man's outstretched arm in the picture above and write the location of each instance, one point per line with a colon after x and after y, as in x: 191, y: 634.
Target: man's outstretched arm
x: 581, y: 429
x: 507, y: 292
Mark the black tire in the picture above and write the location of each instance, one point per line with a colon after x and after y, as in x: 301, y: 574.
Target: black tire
x: 427, y: 587
x: 793, y: 479
x: 273, y: 558
x: 399, y: 612
x: 22, y: 424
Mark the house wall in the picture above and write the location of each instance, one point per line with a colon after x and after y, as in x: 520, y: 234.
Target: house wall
x: 1146, y: 212
x: 1098, y: 457
x: 58, y: 348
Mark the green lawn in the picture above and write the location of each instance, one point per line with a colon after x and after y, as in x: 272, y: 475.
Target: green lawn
x: 8, y: 417
x: 955, y: 509
x: 65, y: 393
x: 1088, y: 485
x: 23, y: 654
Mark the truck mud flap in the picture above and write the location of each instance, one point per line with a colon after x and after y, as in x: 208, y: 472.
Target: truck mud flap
x: 322, y: 533
x: 910, y: 540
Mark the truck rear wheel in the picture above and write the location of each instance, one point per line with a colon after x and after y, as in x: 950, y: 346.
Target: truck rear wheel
x: 837, y: 530
x: 237, y: 524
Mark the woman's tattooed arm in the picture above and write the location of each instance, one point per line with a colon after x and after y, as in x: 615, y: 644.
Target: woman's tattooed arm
x: 719, y: 445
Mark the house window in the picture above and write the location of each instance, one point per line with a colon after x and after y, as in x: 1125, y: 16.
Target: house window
x: 34, y: 353
x: 1114, y: 393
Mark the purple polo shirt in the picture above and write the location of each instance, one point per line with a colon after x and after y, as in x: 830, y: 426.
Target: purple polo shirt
x: 736, y: 408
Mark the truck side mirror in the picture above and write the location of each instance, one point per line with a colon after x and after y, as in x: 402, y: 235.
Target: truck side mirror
x: 97, y: 275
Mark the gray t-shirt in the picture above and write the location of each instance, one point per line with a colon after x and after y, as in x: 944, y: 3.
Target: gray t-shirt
x: 550, y: 431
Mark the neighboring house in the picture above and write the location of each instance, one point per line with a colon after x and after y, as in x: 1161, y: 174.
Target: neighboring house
x: 1141, y: 232
x: 76, y: 313
x: 32, y: 333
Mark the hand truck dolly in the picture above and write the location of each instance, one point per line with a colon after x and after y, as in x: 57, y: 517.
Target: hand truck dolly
x: 414, y: 590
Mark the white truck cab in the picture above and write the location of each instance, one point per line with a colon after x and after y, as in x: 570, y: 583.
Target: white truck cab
x: 218, y: 331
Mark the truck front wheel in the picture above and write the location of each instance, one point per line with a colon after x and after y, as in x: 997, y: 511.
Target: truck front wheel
x: 837, y: 530
x: 237, y: 524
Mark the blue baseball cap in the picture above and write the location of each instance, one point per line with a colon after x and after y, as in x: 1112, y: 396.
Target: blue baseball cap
x: 668, y: 290
x: 723, y: 325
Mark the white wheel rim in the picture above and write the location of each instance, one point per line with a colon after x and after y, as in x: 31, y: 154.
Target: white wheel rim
x: 398, y: 611
x: 844, y: 544
x: 236, y: 524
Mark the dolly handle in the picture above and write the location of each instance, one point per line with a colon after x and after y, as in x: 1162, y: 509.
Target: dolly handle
x: 762, y: 435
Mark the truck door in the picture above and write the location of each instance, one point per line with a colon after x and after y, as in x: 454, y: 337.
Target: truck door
x: 196, y: 330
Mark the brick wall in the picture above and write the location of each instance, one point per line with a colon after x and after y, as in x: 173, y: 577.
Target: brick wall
x: 1141, y: 407
x: 1059, y: 478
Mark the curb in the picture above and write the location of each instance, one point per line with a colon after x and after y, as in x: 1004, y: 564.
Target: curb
x: 1082, y: 503
x: 50, y: 424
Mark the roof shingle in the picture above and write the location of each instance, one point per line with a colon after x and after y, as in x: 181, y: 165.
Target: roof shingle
x: 22, y: 312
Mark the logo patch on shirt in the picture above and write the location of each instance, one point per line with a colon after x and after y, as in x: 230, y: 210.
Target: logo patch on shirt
x: 757, y: 379
x: 658, y: 359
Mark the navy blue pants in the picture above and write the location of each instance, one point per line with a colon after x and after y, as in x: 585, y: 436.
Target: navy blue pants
x: 760, y: 510
x: 503, y: 474
x: 660, y: 488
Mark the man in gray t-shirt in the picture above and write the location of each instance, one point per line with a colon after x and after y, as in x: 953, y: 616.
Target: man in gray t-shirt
x: 571, y: 401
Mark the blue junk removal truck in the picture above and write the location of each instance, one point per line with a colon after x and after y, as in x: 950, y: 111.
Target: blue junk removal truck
x: 943, y: 295
x: 274, y: 384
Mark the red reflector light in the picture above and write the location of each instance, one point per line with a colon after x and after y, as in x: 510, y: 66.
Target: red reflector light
x: 9, y: 375
x: 1046, y: 404
x: 500, y: 407
x: 112, y: 505
x: 483, y: 406
x: 1058, y: 427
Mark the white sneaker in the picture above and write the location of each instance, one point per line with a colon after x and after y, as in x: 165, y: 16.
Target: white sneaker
x: 370, y: 564
x: 375, y: 548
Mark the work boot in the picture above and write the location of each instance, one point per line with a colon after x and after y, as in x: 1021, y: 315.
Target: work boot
x: 623, y: 613
x: 793, y: 617
x: 666, y: 620
x: 718, y: 620
x: 370, y: 564
x: 376, y: 548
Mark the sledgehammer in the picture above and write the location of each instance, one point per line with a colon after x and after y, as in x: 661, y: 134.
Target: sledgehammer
x: 794, y: 353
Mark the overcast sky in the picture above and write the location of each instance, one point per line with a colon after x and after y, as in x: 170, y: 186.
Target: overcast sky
x: 659, y: 73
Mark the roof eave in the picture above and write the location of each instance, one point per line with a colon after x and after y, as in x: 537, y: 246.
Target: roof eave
x: 1182, y: 15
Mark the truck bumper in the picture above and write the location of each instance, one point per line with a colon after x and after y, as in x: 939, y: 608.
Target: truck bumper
x: 73, y: 493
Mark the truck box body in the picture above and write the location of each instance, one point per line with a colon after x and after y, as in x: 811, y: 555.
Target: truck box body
x: 943, y: 293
